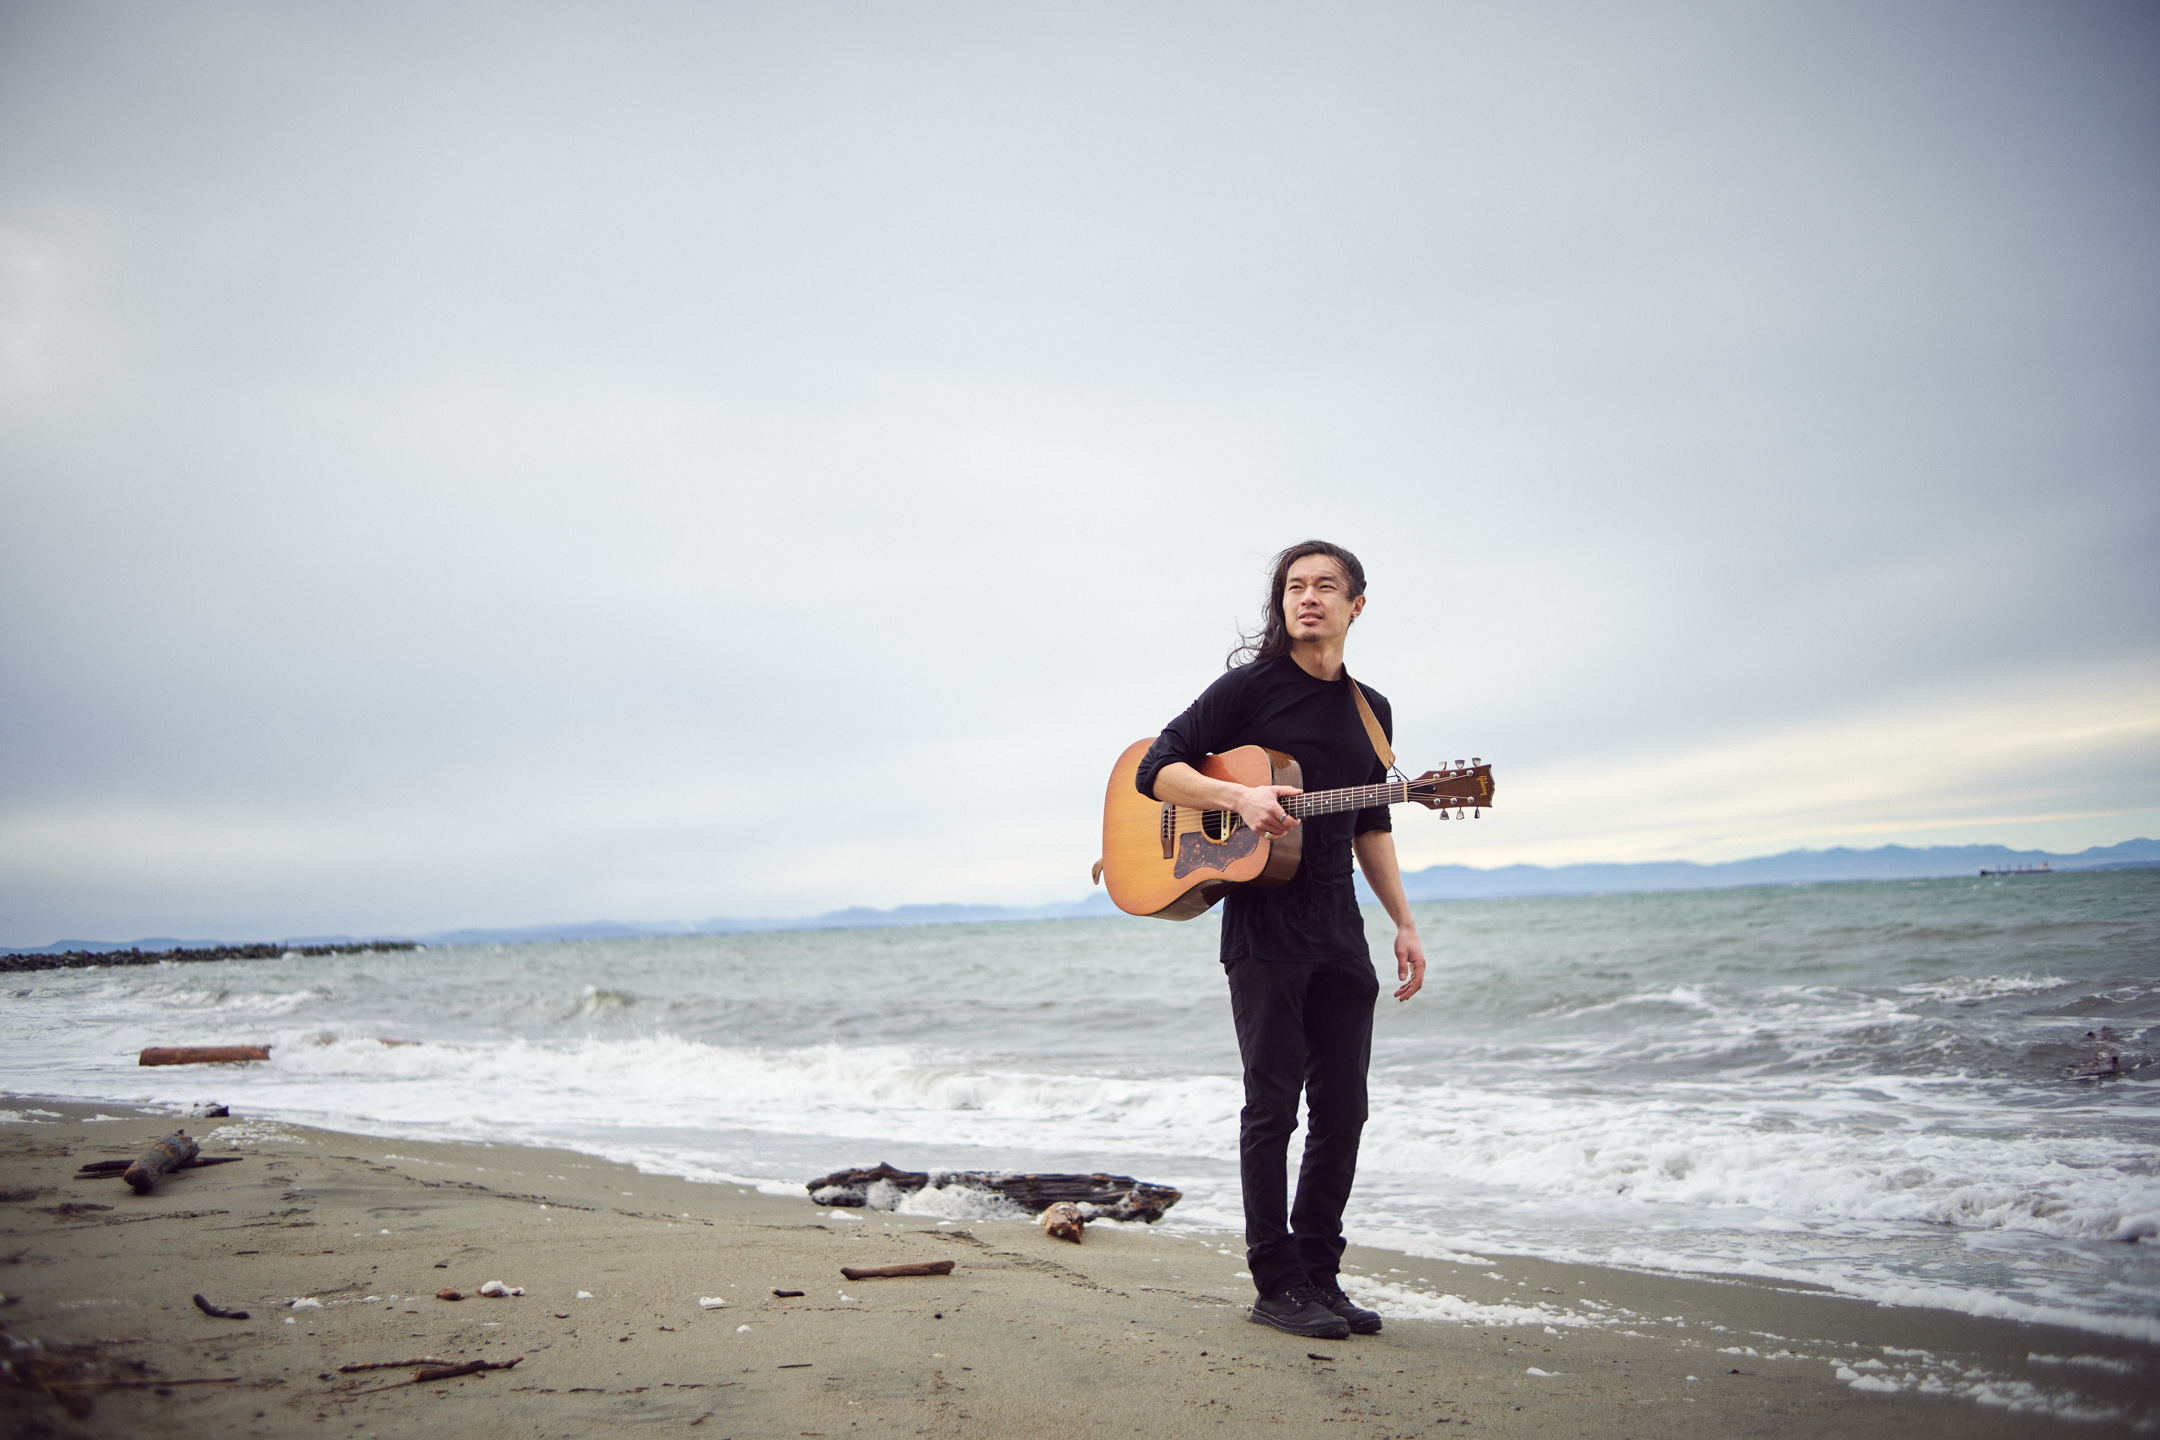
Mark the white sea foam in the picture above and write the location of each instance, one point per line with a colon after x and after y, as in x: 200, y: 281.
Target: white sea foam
x: 1403, y: 1302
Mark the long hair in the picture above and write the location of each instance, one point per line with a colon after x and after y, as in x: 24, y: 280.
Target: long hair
x: 1273, y: 637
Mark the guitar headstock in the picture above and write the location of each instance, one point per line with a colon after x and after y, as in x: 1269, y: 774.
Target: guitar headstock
x: 1470, y: 784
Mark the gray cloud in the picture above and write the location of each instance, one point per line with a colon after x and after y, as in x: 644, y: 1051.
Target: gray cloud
x: 474, y: 464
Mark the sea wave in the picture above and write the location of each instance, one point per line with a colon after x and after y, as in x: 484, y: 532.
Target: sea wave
x: 1864, y: 1086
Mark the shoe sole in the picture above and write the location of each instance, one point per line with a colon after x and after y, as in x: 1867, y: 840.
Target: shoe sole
x: 1338, y: 1331
x: 1371, y: 1327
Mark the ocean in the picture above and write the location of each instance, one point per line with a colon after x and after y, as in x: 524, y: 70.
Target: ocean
x: 1860, y: 1085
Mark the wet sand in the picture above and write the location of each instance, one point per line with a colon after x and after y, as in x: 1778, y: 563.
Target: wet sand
x: 1136, y: 1331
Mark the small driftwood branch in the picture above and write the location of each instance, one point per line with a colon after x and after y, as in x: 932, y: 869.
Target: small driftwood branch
x: 155, y: 1163
x: 893, y: 1272
x: 433, y: 1372
x: 463, y: 1367
x: 218, y: 1312
x: 201, y: 1054
x: 389, y: 1365
x: 1100, y: 1197
x: 113, y: 1169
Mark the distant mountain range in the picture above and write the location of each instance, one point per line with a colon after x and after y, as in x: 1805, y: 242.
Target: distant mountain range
x: 1435, y: 882
x: 1794, y: 867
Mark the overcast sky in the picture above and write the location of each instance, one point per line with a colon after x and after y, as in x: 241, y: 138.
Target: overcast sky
x: 475, y: 464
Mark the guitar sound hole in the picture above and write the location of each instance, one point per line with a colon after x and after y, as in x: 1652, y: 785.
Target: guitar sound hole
x: 1217, y: 824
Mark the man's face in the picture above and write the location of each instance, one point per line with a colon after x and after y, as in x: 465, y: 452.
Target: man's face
x: 1316, y: 601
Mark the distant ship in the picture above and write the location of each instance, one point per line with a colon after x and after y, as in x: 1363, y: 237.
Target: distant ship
x: 2040, y: 869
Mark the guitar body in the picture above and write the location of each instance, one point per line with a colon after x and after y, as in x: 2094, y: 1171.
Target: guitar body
x: 1173, y: 862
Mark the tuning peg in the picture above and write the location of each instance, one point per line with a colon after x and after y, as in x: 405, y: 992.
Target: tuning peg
x: 1475, y: 761
x: 1476, y: 813
x: 1443, y: 812
x: 1458, y: 764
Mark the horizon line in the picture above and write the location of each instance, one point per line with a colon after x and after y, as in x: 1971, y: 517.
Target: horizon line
x: 1092, y: 904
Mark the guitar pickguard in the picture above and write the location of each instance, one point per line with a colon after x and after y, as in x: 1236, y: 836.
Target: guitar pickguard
x: 1196, y: 852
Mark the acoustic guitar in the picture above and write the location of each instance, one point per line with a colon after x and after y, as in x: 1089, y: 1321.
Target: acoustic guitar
x: 1174, y: 861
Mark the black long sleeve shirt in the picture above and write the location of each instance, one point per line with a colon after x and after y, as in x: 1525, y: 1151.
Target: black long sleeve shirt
x: 1276, y: 704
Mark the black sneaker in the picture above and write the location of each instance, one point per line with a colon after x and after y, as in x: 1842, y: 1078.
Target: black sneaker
x: 1360, y: 1321
x: 1300, y: 1310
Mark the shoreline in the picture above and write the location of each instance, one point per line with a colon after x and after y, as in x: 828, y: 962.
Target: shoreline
x: 1133, y: 1329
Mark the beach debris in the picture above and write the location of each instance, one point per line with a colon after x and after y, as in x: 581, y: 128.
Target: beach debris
x: 218, y: 1312
x: 583, y: 1295
x: 1100, y: 1197
x: 21, y: 1192
x: 894, y: 1272
x: 357, y: 1366
x: 499, y: 1290
x: 432, y: 1370
x: 201, y: 1054
x: 714, y: 1302
x: 463, y: 1367
x: 446, y: 1293
x: 207, y: 1110
x: 114, y: 1169
x: 788, y: 1294
x: 1063, y: 1221
x: 155, y: 1163
x: 1316, y: 1355
x: 71, y: 1207
x: 304, y: 1302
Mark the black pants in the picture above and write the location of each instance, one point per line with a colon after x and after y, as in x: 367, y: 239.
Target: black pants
x: 1300, y: 1025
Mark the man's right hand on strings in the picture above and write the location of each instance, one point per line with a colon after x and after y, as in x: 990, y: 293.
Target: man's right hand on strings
x: 1260, y: 806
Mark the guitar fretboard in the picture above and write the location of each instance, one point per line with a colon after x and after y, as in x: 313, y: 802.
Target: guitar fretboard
x: 1357, y: 797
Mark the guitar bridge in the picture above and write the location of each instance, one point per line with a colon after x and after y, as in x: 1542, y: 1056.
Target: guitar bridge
x: 1169, y: 831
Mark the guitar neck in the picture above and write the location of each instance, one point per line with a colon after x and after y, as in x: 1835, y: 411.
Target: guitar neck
x: 1357, y: 797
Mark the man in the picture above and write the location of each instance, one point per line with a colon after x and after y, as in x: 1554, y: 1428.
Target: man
x: 1302, y: 986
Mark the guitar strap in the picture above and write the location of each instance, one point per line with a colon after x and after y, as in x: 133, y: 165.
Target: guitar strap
x: 1373, y: 732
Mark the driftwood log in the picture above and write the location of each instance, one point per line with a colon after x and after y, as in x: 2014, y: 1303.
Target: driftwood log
x: 1099, y: 1197
x: 158, y: 1161
x: 201, y: 1054
x: 114, y: 1169
x: 895, y: 1272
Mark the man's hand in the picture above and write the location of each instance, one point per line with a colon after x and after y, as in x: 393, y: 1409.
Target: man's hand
x: 1409, y: 964
x: 1376, y: 857
x: 1261, y: 808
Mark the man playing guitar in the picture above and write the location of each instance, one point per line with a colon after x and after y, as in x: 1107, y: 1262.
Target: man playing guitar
x: 1302, y: 985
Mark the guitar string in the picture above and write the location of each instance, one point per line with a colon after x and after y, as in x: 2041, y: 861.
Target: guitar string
x: 1327, y: 802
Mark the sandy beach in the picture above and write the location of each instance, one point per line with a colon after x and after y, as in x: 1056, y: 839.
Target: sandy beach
x: 335, y: 1245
